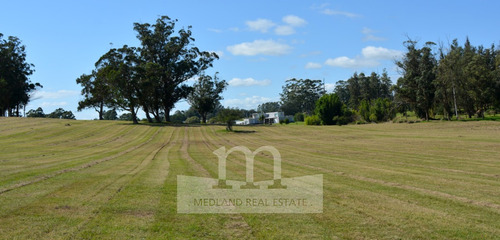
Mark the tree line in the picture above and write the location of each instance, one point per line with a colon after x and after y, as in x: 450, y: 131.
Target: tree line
x: 453, y: 81
x: 436, y: 82
x: 15, y: 85
x: 458, y: 80
x: 58, y: 113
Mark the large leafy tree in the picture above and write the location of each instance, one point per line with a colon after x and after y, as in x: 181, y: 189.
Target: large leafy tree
x: 449, y: 71
x: 416, y: 87
x: 15, y: 86
x: 96, y: 92
x: 480, y: 75
x: 206, y: 95
x: 300, y: 95
x: 466, y: 79
x: 228, y: 116
x: 122, y: 71
x: 172, y: 60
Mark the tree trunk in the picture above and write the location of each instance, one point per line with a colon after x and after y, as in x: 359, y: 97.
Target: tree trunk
x: 157, y: 117
x: 101, y: 111
x: 455, y: 101
x: 134, y: 115
x: 167, y: 114
x: 204, y: 118
x: 146, y: 110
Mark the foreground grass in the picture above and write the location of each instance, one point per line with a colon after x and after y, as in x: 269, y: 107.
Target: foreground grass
x: 101, y: 179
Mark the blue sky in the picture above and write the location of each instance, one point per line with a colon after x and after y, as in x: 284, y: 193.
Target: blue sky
x: 261, y: 43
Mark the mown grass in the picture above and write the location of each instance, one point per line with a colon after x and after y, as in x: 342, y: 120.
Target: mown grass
x: 106, y: 179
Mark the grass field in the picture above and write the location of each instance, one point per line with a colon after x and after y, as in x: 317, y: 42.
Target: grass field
x: 112, y: 180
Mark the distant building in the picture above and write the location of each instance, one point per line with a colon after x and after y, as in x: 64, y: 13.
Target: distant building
x: 269, y: 118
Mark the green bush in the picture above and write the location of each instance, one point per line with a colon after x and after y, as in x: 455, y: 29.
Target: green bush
x: 193, y: 119
x: 328, y: 107
x: 340, y: 120
x: 373, y: 118
x: 312, y: 120
x: 212, y: 120
x: 287, y: 121
x: 299, y: 117
x: 364, y: 110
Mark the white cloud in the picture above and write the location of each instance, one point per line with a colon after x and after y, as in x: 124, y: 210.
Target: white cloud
x: 345, y: 62
x: 284, y: 30
x: 247, y: 103
x: 371, y: 52
x: 328, y: 11
x: 237, y: 82
x: 312, y: 65
x: 369, y: 35
x: 330, y: 87
x: 55, y: 95
x: 261, y: 25
x: 259, y: 47
x: 294, y: 21
x: 370, y: 57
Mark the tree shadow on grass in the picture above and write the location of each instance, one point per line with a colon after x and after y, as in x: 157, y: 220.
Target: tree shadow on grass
x: 244, y: 131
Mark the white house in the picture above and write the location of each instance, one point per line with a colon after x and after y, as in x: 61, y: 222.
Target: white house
x: 269, y: 118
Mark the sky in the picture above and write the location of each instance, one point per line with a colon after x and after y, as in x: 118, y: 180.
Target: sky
x: 260, y: 43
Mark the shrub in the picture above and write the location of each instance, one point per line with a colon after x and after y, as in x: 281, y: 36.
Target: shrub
x: 312, y: 120
x: 299, y: 117
x: 340, y: 120
x: 193, y: 119
x: 373, y: 118
x: 282, y: 121
x: 328, y: 107
x: 212, y: 120
x: 364, y: 110
x: 287, y: 121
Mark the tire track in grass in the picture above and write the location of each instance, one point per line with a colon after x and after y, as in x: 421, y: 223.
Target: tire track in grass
x: 76, y: 193
x: 313, y: 226
x: 237, y: 227
x: 77, y: 156
x: 493, y: 206
x: 70, y: 160
x: 81, y: 167
x: 386, y: 169
x: 55, y: 162
x: 123, y: 181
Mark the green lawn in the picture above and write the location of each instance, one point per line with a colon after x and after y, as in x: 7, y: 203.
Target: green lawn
x: 63, y: 179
